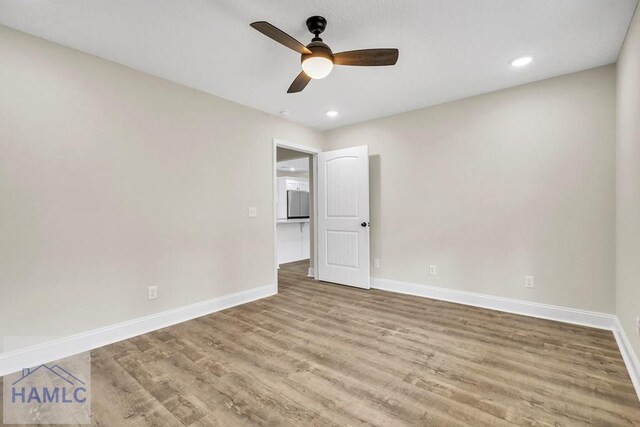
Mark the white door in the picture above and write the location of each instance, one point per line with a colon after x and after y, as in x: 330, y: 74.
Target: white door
x: 343, y: 216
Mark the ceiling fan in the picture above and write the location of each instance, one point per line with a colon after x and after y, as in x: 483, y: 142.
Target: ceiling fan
x: 317, y: 58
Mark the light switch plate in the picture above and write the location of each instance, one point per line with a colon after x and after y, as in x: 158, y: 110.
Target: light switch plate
x: 253, y: 212
x: 528, y: 281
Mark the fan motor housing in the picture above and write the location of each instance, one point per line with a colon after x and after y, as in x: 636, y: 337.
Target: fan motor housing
x: 318, y: 49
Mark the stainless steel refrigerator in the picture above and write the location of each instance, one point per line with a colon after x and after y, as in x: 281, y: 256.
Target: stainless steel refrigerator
x: 297, y: 204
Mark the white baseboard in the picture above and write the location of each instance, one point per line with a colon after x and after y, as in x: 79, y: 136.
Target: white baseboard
x: 57, y: 349
x: 629, y: 356
x: 311, y: 273
x: 527, y: 308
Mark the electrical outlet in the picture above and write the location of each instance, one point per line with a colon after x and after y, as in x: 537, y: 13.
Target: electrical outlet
x: 252, y: 212
x: 433, y: 270
x: 528, y: 281
x: 376, y: 263
x: 153, y: 292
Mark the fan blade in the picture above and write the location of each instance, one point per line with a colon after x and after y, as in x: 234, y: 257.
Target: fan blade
x: 299, y: 83
x: 280, y: 36
x: 367, y: 57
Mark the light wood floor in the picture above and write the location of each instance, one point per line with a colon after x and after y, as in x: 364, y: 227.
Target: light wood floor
x: 322, y: 354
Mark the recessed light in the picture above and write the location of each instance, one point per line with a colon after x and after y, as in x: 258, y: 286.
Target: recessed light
x: 292, y: 169
x: 332, y: 113
x: 521, y: 62
x: 285, y: 112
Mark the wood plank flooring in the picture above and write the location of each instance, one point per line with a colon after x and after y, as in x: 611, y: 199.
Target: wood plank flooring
x: 321, y: 354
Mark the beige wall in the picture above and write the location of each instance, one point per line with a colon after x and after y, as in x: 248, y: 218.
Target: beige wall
x: 112, y: 180
x: 499, y: 186
x: 628, y: 185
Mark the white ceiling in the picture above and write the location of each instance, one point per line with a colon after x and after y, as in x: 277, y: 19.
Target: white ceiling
x: 449, y: 49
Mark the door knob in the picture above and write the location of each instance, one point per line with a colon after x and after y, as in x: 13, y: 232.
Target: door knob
x: 364, y: 224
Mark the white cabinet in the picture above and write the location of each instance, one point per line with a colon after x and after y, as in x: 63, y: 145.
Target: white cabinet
x: 293, y: 241
x: 306, y: 240
x: 297, y: 184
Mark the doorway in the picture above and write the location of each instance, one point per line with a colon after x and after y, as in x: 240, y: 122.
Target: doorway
x: 321, y: 212
x: 294, y: 204
x: 293, y: 216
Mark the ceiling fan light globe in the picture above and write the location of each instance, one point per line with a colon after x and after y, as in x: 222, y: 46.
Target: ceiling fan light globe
x: 317, y: 67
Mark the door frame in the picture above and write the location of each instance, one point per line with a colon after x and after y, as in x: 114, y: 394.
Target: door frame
x: 313, y: 271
